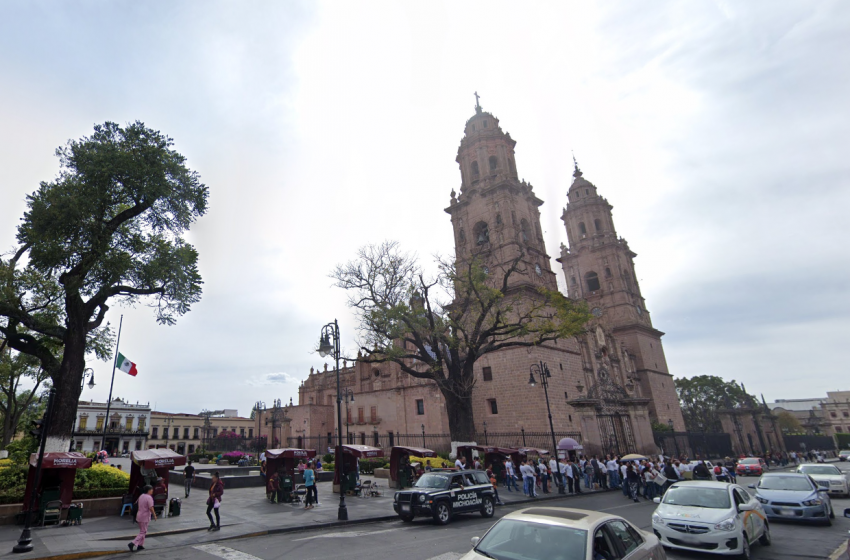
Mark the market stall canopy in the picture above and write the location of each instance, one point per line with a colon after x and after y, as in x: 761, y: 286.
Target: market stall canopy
x: 569, y: 444
x: 633, y: 457
x: 488, y: 449
x: 71, y: 460
x: 158, y: 458
x: 290, y: 453
x: 362, y: 451
x: 416, y: 451
x: 533, y: 451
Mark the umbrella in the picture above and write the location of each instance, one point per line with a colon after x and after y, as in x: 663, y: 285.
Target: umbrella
x: 633, y: 457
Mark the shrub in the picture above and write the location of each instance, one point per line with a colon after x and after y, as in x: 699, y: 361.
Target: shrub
x: 233, y: 455
x: 20, y: 450
x: 327, y: 458
x: 100, y: 477
x: 13, y: 483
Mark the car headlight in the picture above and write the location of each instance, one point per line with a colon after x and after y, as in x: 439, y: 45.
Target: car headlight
x: 815, y: 502
x: 421, y: 497
x: 657, y: 520
x: 836, y: 483
x: 762, y: 500
x: 726, y: 524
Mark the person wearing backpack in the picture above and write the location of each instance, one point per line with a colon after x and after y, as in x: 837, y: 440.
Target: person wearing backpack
x: 143, y: 518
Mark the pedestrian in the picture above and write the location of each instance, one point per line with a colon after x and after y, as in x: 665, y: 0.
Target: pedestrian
x: 510, y: 475
x: 143, y: 518
x: 544, y: 475
x: 310, y: 483
x: 621, y: 473
x: 460, y: 463
x: 492, y: 476
x: 576, y: 476
x: 567, y: 475
x: 189, y: 475
x: 214, y: 502
x: 632, y: 478
x: 671, y: 474
x: 273, y: 490
x: 556, y: 474
x: 588, y: 474
x: 611, y: 466
x: 649, y: 485
x: 701, y: 471
x: 477, y: 464
x: 428, y: 465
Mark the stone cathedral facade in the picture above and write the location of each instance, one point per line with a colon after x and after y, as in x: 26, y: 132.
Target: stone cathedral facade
x: 606, y: 386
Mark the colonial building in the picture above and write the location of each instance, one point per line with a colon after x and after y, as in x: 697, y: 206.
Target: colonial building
x: 125, y: 431
x: 819, y: 416
x: 185, y: 433
x: 614, y: 380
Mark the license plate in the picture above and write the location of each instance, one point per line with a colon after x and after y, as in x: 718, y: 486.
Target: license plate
x: 405, y: 509
x: 786, y: 511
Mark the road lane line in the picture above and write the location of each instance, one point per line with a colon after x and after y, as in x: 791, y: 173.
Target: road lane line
x: 225, y: 552
x: 345, y: 534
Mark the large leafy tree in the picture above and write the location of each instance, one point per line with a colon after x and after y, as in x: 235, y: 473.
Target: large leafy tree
x: 109, y: 228
x: 789, y: 424
x: 437, y: 328
x: 703, y: 396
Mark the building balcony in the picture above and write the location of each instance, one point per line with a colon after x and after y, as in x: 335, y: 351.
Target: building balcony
x: 110, y: 432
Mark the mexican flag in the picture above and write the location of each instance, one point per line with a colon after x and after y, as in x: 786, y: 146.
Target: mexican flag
x: 126, y: 365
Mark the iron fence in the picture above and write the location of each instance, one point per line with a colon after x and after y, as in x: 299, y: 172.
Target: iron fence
x: 708, y: 445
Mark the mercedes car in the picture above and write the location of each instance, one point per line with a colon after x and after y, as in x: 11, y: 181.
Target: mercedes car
x: 828, y: 476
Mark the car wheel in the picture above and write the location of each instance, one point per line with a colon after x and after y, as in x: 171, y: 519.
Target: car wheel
x: 745, y: 550
x: 488, y: 508
x: 442, y: 513
x: 765, y: 537
x: 407, y: 518
x: 831, y: 511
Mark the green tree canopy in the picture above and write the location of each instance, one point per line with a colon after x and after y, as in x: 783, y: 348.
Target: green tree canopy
x: 789, y: 424
x: 109, y: 228
x: 437, y: 329
x: 703, y: 396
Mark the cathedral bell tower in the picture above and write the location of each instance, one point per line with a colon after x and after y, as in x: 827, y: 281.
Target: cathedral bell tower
x: 496, y: 216
x: 599, y: 268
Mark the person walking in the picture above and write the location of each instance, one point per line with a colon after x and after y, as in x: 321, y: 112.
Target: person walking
x: 632, y: 479
x: 576, y: 476
x: 492, y: 476
x: 556, y: 474
x: 189, y: 475
x: 510, y: 475
x: 588, y: 474
x: 143, y: 518
x: 611, y: 466
x: 310, y: 483
x: 544, y: 475
x: 214, y: 502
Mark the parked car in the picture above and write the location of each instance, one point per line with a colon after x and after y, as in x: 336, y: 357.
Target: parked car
x: 441, y: 495
x: 716, y: 517
x: 844, y: 455
x: 829, y: 476
x: 751, y: 466
x: 793, y: 496
x: 544, y: 533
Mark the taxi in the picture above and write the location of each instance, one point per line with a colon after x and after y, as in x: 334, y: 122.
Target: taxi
x: 716, y: 517
x: 442, y: 494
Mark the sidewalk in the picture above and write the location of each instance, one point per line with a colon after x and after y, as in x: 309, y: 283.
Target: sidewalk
x: 244, y: 513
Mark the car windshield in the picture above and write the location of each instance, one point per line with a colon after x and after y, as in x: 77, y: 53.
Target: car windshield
x: 819, y: 469
x: 513, y: 539
x: 432, y: 481
x: 749, y: 461
x: 798, y: 483
x: 686, y: 495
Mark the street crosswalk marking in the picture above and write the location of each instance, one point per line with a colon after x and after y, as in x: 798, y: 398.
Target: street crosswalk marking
x: 447, y: 556
x: 345, y: 535
x: 225, y: 552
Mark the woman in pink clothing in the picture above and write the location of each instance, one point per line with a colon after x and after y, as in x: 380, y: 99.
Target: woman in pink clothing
x: 143, y: 518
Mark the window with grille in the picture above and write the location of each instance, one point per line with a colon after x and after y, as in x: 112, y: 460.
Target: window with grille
x: 494, y: 409
x: 487, y: 374
x: 420, y: 407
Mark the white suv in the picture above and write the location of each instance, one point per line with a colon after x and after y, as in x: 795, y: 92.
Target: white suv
x: 716, y: 517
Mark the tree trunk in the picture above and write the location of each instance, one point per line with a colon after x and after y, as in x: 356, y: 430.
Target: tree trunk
x: 67, y: 381
x: 461, y: 419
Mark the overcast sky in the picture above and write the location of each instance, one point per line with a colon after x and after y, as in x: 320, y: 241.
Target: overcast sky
x: 718, y: 130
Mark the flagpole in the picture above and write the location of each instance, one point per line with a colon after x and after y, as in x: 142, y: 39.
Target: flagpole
x: 111, y: 383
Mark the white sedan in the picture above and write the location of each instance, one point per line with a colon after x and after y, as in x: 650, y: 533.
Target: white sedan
x: 829, y: 476
x: 716, y: 517
x: 553, y: 533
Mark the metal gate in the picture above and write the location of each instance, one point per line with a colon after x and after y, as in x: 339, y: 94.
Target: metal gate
x: 616, y: 433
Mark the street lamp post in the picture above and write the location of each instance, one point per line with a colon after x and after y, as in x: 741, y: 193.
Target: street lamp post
x: 329, y: 345
x: 485, y: 433
x: 543, y: 371
x: 522, y: 429
x: 348, y: 395
x: 423, y: 435
x: 88, y: 372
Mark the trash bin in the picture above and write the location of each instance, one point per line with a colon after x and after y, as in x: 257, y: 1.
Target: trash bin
x: 175, y: 507
x: 75, y: 514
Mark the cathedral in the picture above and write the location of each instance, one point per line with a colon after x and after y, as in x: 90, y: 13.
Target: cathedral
x: 606, y: 387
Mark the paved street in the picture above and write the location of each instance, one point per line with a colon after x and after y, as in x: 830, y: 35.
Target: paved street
x: 425, y: 541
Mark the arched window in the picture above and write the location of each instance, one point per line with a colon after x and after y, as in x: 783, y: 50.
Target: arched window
x: 482, y: 233
x: 462, y: 236
x: 607, y: 272
x: 493, y: 162
x: 581, y: 229
x: 523, y: 231
x: 475, y: 169
x: 498, y: 219
x: 597, y: 224
x: 572, y: 281
x: 592, y: 280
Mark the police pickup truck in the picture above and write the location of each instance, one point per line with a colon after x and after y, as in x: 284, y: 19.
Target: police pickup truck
x: 441, y: 494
